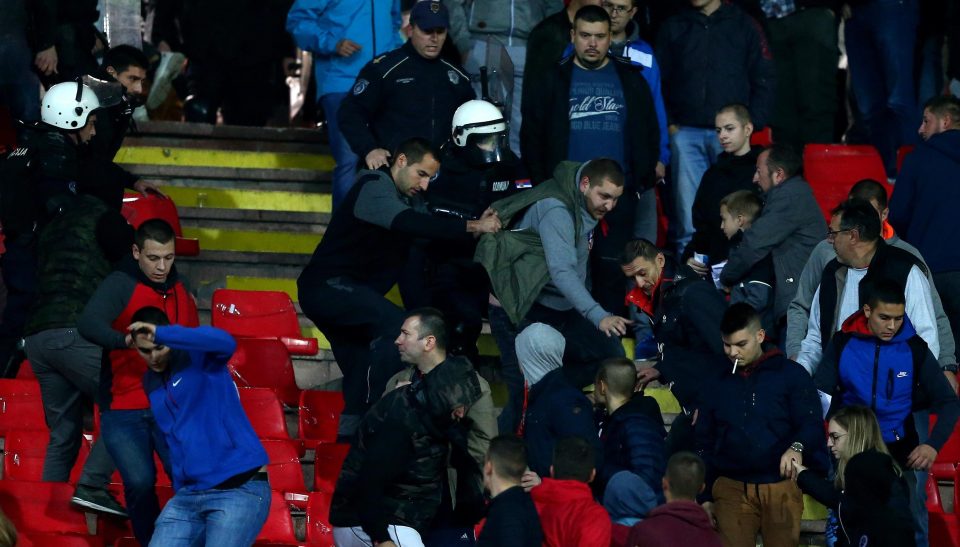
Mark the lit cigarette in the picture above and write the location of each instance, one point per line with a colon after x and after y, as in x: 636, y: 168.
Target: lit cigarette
x: 736, y: 363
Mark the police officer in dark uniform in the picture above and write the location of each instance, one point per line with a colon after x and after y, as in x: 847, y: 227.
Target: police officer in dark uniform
x: 408, y: 92
x: 477, y: 168
x: 44, y: 165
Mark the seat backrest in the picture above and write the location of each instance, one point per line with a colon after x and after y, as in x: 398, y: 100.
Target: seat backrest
x: 41, y: 507
x: 254, y: 314
x: 138, y: 209
x: 284, y: 470
x: 279, y: 525
x: 24, y: 452
x: 20, y: 405
x: 327, y: 462
x: 764, y: 137
x: 265, y: 412
x: 35, y: 539
x: 832, y: 169
x: 950, y: 451
x: 265, y: 363
x: 319, y: 529
x: 319, y: 415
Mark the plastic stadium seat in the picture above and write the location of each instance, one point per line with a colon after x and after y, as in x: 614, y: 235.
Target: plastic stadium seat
x: 327, y: 461
x: 58, y: 540
x: 319, y: 416
x: 21, y: 406
x: 944, y: 528
x: 319, y: 529
x: 279, y: 526
x: 832, y: 169
x: 261, y: 314
x: 24, y: 452
x: 764, y: 137
x: 138, y: 208
x: 265, y: 363
x: 948, y: 458
x: 25, y: 372
x: 41, y: 507
x: 127, y: 542
x: 285, y: 471
x: 265, y: 412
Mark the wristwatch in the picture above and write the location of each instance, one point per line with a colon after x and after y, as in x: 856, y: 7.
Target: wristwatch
x: 797, y: 447
x: 950, y: 368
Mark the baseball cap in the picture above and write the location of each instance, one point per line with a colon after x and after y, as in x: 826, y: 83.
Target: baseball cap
x: 429, y: 14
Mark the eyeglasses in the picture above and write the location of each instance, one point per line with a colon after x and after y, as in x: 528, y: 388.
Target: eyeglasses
x: 836, y: 436
x: 832, y: 234
x: 615, y: 10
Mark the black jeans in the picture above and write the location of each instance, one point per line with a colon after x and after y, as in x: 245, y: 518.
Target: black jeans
x: 948, y: 285
x: 586, y: 345
x: 361, y: 326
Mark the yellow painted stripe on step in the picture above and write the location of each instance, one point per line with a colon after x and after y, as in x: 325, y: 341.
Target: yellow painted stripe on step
x: 288, y: 286
x: 668, y: 403
x: 485, y: 344
x: 193, y: 157
x: 259, y: 200
x: 213, y: 239
x: 813, y: 509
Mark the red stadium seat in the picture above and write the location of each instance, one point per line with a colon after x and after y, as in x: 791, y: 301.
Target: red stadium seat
x: 33, y: 539
x: 25, y: 372
x: 138, y: 208
x: 832, y: 169
x: 265, y: 412
x: 127, y: 542
x: 944, y: 528
x: 764, y: 137
x: 265, y: 363
x: 319, y: 529
x: 319, y: 416
x: 327, y: 461
x: 21, y: 406
x: 948, y: 458
x: 285, y: 471
x: 279, y: 526
x: 261, y: 314
x: 41, y: 507
x: 24, y: 452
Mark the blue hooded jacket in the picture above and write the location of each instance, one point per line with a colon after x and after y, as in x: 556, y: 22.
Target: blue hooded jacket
x: 318, y: 25
x: 197, y: 406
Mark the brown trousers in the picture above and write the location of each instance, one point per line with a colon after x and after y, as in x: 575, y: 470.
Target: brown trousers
x: 743, y: 509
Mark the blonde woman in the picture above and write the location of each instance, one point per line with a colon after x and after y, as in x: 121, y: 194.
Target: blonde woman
x: 868, y: 492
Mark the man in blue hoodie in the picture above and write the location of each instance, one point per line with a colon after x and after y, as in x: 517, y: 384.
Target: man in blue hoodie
x: 923, y: 205
x: 219, y: 466
x: 343, y: 36
x: 879, y: 360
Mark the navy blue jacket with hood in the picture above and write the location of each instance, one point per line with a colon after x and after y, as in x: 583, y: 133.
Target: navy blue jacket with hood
x: 197, y: 406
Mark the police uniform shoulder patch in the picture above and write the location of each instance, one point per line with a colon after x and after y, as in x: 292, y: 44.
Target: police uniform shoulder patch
x: 360, y: 86
x: 453, y: 76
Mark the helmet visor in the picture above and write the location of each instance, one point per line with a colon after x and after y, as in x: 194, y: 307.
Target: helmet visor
x: 108, y: 93
x: 489, y: 147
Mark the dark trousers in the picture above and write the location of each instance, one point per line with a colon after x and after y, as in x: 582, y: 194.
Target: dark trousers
x: 610, y: 286
x: 245, y: 95
x: 68, y: 369
x: 805, y: 52
x: 586, y: 345
x: 361, y: 326
x: 505, y: 334
x: 132, y: 437
x: 948, y: 285
x: 19, y: 265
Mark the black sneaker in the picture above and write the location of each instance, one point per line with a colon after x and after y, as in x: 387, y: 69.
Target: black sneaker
x: 98, y: 500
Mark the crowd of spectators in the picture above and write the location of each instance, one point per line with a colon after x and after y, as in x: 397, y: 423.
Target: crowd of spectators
x: 516, y: 162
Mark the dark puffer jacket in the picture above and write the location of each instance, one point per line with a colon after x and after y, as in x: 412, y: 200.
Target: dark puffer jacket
x: 633, y: 440
x: 392, y: 474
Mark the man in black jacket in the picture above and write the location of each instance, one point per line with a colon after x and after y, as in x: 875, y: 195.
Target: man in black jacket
x: 99, y: 175
x: 389, y: 488
x: 408, y: 92
x: 512, y: 519
x: 593, y: 106
x: 711, y: 54
x: 360, y: 258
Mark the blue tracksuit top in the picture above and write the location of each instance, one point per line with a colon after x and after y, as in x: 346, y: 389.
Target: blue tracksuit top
x: 196, y: 405
x: 317, y: 26
x: 640, y: 53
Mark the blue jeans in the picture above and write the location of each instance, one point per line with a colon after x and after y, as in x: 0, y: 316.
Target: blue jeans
x: 344, y: 174
x: 233, y: 516
x: 918, y: 497
x: 880, y: 38
x: 132, y: 436
x: 694, y: 150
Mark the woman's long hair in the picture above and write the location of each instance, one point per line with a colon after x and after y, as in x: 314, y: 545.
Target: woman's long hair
x: 863, y: 433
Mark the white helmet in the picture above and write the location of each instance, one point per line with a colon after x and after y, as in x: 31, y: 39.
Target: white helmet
x: 482, y: 126
x: 68, y: 105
